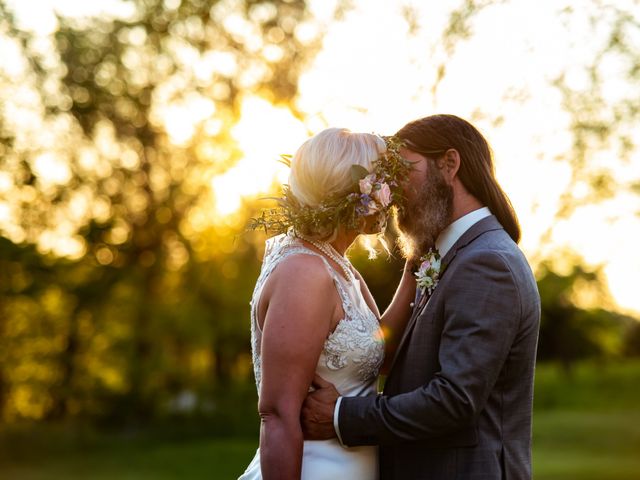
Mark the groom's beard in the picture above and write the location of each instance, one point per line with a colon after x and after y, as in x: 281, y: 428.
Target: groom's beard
x: 425, y: 217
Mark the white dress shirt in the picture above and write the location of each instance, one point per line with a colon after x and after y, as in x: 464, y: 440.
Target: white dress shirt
x: 450, y: 235
x: 447, y: 238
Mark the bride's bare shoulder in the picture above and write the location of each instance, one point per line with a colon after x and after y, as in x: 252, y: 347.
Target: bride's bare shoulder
x: 302, y: 269
x: 300, y: 293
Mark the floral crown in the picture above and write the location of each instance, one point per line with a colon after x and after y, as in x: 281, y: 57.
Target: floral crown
x: 371, y: 193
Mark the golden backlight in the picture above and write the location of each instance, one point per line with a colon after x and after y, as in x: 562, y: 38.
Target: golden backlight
x: 500, y: 79
x: 264, y: 132
x: 379, y: 67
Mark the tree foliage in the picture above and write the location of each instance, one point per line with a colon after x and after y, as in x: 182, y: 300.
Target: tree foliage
x: 150, y: 306
x: 577, y: 320
x: 604, y: 114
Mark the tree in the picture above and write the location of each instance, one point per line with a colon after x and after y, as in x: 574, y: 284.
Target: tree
x: 134, y: 180
x: 576, y: 322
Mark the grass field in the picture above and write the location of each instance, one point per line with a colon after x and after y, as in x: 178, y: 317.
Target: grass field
x: 585, y: 428
x: 206, y: 459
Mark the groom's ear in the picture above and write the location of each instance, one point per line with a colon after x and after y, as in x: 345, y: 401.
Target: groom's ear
x: 450, y: 164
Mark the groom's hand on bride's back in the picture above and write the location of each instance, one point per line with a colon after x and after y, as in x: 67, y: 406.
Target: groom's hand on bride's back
x: 317, y: 411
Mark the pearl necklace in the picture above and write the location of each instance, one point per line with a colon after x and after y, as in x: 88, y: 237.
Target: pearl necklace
x: 329, y: 251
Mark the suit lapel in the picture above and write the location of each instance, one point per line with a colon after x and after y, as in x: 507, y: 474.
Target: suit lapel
x: 485, y: 225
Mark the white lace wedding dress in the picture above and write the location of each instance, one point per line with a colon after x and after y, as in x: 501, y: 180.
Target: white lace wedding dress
x: 350, y: 359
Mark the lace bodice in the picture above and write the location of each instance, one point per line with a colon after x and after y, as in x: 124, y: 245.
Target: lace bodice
x: 354, y: 351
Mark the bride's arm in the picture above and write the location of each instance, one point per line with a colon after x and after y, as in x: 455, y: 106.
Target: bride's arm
x: 396, y: 316
x: 295, y: 328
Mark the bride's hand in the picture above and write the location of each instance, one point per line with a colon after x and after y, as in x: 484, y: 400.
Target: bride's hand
x: 317, y: 411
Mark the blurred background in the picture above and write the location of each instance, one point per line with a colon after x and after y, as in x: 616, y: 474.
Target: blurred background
x: 137, y: 138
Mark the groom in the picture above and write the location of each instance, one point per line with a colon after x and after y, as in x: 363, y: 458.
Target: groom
x: 458, y: 396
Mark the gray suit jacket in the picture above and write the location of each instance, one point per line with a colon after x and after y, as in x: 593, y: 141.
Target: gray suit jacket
x: 457, y: 401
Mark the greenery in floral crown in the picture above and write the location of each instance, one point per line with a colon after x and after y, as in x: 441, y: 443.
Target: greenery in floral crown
x: 371, y: 193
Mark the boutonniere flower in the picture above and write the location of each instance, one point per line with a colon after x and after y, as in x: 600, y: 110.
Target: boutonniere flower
x: 428, y: 272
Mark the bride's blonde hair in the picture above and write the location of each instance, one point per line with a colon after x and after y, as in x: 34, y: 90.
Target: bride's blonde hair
x: 339, y: 179
x: 321, y: 168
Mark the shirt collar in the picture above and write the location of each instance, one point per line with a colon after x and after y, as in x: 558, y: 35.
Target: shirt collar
x: 450, y: 235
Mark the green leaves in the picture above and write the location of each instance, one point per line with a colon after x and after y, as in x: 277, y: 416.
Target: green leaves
x: 358, y: 172
x: 285, y: 159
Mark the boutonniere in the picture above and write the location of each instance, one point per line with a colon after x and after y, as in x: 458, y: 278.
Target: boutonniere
x: 428, y: 272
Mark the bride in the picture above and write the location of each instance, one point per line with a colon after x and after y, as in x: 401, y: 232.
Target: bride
x: 311, y: 312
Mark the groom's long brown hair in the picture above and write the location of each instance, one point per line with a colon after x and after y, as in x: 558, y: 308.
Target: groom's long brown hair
x: 432, y: 136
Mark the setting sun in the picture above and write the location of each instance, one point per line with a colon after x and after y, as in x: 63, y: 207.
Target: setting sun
x: 264, y: 132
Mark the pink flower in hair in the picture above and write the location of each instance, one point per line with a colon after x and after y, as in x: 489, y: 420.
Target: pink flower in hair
x: 382, y: 195
x: 366, y: 184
